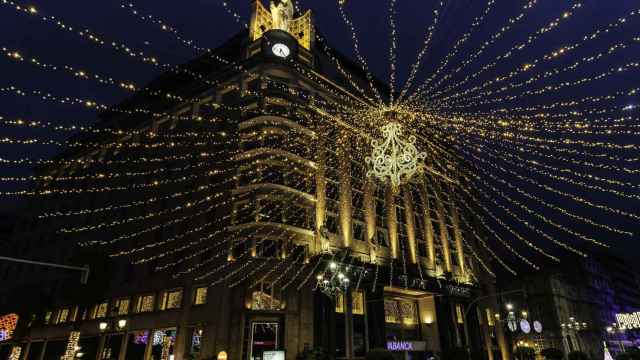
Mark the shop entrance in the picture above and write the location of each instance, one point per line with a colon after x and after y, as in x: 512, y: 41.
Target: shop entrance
x: 264, y: 336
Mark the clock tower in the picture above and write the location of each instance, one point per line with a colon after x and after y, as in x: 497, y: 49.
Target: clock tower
x: 278, y: 34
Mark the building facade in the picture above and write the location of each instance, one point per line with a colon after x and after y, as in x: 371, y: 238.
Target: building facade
x: 578, y: 306
x: 221, y: 246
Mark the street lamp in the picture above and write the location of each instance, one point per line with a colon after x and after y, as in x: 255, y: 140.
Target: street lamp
x: 615, y: 328
x: 573, y: 326
x: 118, y: 325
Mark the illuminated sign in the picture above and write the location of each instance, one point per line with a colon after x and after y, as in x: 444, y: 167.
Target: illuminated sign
x: 7, y: 326
x: 629, y: 321
x: 406, y: 345
x: 455, y: 290
x: 273, y: 355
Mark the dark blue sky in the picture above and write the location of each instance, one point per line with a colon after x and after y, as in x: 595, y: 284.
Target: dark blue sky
x: 209, y: 24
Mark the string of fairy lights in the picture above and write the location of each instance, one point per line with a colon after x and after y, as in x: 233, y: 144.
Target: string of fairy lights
x: 171, y: 193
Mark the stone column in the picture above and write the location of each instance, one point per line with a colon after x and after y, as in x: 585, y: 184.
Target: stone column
x: 369, y: 203
x: 444, y: 234
x: 348, y: 324
x: 392, y: 220
x: 457, y: 234
x: 428, y: 226
x: 411, y: 224
x: 123, y: 347
x: 26, y: 349
x: 234, y: 212
x: 44, y: 350
x: 321, y: 193
x: 485, y: 327
x: 344, y: 173
x: 101, y: 344
x: 149, y: 345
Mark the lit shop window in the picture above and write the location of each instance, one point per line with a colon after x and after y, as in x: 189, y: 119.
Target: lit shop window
x: 171, y: 299
x: 121, y: 306
x: 200, y: 296
x: 357, y: 302
x: 73, y: 314
x: 145, y: 303
x: 398, y: 311
x: 63, y: 315
x: 101, y: 310
x: 459, y: 317
x: 489, y: 317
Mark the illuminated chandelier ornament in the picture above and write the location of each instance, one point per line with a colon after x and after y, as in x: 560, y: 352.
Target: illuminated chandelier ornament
x: 393, y: 158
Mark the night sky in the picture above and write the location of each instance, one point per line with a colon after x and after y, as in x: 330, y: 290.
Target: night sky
x: 209, y: 24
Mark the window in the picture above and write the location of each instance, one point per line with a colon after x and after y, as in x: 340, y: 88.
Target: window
x: 489, y: 317
x: 171, y: 299
x: 73, y: 314
x: 62, y: 316
x: 47, y: 317
x: 200, y: 296
x: 101, y: 310
x: 121, y: 307
x: 401, y: 311
x: 145, y: 303
x: 357, y: 302
x: 459, y: 317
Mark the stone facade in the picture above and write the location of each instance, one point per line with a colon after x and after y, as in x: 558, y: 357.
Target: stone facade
x: 284, y: 187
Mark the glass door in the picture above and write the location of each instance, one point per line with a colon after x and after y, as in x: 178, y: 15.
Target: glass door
x: 264, y: 337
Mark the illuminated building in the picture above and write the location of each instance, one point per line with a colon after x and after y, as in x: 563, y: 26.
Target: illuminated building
x: 283, y: 187
x: 577, y: 304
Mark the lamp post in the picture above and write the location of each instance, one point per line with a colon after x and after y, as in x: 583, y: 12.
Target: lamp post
x: 509, y: 307
x: 107, y: 327
x: 573, y: 326
x: 617, y: 329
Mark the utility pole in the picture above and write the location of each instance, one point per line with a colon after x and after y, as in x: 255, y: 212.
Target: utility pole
x: 84, y: 277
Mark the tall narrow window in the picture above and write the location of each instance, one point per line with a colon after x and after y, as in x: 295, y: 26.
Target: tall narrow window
x: 101, y: 310
x: 200, y: 296
x: 145, y: 303
x: 121, y: 306
x: 459, y: 316
x: 171, y: 299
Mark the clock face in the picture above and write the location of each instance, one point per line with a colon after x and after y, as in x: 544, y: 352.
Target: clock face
x: 537, y: 326
x: 512, y: 325
x: 280, y: 50
x: 525, y: 326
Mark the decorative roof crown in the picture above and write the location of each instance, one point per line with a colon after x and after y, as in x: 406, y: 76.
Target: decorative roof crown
x: 280, y: 16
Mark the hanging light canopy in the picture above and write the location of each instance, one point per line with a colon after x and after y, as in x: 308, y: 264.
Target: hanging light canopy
x: 393, y: 158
